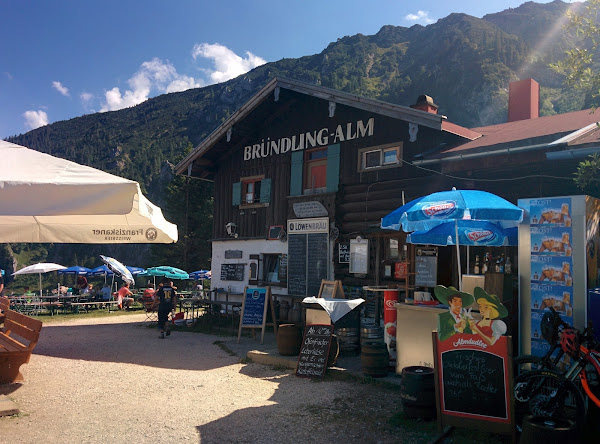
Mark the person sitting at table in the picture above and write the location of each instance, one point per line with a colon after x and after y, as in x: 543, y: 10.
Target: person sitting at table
x: 106, y: 293
x: 81, y: 284
x: 123, y: 297
x: 148, y: 296
x: 88, y: 292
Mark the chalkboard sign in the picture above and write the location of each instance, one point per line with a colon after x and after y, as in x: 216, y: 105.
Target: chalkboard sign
x: 232, y: 272
x: 254, y: 311
x: 297, y: 264
x: 473, y: 383
x: 283, y: 268
x: 312, y: 361
x: 426, y: 267
x: 316, y: 261
x: 254, y: 307
x: 344, y: 253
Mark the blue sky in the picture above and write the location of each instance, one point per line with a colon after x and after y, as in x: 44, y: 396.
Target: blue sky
x: 61, y: 59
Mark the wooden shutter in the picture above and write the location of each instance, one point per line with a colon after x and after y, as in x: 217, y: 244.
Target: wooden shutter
x: 236, y: 194
x: 265, y: 191
x: 296, y: 173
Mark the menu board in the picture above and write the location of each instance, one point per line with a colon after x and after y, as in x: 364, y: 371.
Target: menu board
x: 312, y: 361
x: 254, y: 307
x: 426, y: 267
x: 232, y: 272
x: 474, y: 380
x: 344, y: 253
x: 297, y: 264
x: 283, y: 268
x: 316, y: 264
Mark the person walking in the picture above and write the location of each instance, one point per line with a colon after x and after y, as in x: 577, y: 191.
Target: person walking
x: 167, y: 301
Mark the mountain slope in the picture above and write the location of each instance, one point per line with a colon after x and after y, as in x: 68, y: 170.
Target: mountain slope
x: 464, y: 63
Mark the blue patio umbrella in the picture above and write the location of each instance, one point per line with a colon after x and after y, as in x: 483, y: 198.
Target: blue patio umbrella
x: 166, y: 271
x: 75, y: 269
x: 102, y: 270
x: 135, y: 270
x: 426, y: 212
x: 470, y: 233
x: 118, y: 268
x: 200, y: 274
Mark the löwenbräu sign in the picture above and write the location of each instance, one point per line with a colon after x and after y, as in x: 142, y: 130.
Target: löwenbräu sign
x: 312, y: 361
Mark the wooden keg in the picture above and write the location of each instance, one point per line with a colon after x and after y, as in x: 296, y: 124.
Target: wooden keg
x: 289, y: 340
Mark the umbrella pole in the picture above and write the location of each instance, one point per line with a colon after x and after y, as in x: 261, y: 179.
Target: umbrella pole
x: 458, y: 256
x: 40, y: 285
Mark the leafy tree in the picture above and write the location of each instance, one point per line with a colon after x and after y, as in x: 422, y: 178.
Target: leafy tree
x: 579, y: 68
x: 586, y: 176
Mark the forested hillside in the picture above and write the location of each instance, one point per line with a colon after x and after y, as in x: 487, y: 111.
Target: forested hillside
x: 464, y: 63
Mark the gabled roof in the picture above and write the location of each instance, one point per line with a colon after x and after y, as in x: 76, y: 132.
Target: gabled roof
x: 559, y: 130
x: 435, y: 121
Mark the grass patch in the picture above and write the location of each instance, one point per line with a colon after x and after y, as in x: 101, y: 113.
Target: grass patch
x: 60, y: 317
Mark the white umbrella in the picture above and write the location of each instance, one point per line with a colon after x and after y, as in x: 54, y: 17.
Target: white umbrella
x: 48, y: 199
x: 42, y: 267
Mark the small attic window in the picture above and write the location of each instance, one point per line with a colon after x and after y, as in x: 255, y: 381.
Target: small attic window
x: 384, y: 156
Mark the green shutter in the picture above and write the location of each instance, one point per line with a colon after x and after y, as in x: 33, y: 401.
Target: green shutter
x: 296, y: 173
x: 236, y: 194
x: 265, y: 191
x: 333, y: 167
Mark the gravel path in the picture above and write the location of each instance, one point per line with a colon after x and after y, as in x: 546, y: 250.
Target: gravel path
x: 111, y: 380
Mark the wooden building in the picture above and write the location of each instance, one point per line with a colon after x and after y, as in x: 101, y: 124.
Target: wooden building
x: 303, y: 175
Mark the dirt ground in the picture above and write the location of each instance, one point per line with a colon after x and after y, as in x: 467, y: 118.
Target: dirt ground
x: 112, y: 380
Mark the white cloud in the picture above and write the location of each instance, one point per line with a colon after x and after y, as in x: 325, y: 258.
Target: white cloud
x: 60, y: 88
x: 86, y: 101
x: 420, y: 16
x: 154, y: 76
x: 35, y: 119
x: 227, y: 64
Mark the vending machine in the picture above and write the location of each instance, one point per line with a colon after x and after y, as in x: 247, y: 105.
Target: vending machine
x: 558, y: 265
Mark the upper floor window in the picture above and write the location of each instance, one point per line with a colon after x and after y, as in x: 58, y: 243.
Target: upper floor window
x: 251, y: 191
x: 315, y: 171
x: 380, y: 157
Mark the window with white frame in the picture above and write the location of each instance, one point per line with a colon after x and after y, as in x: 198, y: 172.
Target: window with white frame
x: 384, y: 156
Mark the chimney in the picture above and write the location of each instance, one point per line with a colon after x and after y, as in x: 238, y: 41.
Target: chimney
x: 425, y: 103
x: 523, y: 100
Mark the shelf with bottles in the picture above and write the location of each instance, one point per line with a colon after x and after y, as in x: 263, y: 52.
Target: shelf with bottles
x: 493, y: 260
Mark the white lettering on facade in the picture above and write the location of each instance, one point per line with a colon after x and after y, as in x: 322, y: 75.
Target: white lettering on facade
x: 309, y: 139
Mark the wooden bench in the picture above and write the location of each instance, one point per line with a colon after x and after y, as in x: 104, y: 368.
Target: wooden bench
x: 18, y: 337
x: 76, y: 306
x: 4, y: 305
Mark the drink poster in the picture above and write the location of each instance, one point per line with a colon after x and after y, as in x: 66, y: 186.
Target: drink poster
x: 551, y: 264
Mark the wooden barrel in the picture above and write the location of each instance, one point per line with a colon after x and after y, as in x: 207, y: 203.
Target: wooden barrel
x: 374, y: 359
x: 418, y: 392
x: 348, y: 340
x: 289, y: 340
x: 538, y: 429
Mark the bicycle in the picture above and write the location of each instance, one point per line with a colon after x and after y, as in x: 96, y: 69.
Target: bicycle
x: 551, y: 327
x: 549, y: 392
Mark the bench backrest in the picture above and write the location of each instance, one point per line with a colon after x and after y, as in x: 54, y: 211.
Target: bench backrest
x: 23, y: 326
x: 4, y: 303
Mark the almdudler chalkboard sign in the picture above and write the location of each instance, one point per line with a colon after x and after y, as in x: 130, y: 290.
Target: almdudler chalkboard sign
x: 312, y: 361
x: 254, y: 310
x: 473, y: 382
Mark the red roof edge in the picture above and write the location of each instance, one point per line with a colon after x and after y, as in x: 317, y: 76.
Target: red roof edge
x: 459, y: 130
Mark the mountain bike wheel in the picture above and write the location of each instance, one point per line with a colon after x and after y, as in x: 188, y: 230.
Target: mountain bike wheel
x: 525, y: 363
x: 548, y: 394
